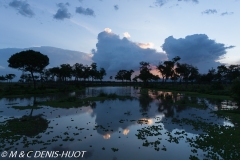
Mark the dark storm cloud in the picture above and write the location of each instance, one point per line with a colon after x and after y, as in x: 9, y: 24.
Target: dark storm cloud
x: 195, y: 49
x: 85, y: 11
x: 209, y: 11
x: 62, y: 12
x: 163, y: 2
x: 23, y: 8
x: 114, y: 53
x: 226, y: 13
x: 116, y: 7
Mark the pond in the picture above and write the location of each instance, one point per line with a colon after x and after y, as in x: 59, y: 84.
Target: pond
x: 150, y: 125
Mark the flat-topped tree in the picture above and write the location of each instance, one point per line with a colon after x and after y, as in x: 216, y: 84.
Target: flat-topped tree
x: 29, y: 61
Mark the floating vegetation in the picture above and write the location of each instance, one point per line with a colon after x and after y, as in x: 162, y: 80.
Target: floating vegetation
x: 26, y: 107
x: 114, y: 149
x: 73, y: 101
x: 157, y: 120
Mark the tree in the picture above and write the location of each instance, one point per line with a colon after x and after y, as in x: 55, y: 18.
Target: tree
x: 186, y: 72
x: 221, y: 73
x: 124, y: 75
x: 93, y: 73
x: 54, y: 72
x: 167, y: 68
x: 235, y: 89
x: 101, y: 73
x: 9, y: 77
x: 29, y: 61
x: 128, y: 75
x: 233, y: 72
x: 65, y: 71
x: 145, y: 74
x: 86, y: 72
x: 77, y: 71
x: 120, y: 75
x: 3, y: 78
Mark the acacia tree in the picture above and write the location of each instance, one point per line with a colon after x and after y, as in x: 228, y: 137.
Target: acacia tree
x: 120, y: 75
x: 77, y: 71
x: 101, y: 73
x: 186, y: 72
x: 145, y: 74
x: 167, y: 68
x: 3, y: 78
x: 9, y: 77
x: 29, y: 61
x: 128, y: 75
x: 93, y: 73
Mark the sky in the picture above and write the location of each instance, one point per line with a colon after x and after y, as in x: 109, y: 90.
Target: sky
x: 121, y: 33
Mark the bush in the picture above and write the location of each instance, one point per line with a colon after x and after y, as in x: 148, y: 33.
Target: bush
x: 235, y: 89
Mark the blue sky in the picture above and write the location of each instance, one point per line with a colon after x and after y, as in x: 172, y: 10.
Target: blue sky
x: 78, y: 24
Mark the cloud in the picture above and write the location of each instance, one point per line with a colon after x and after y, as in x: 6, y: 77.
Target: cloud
x: 226, y: 13
x: 209, y: 11
x: 196, y: 49
x: 108, y: 30
x: 114, y: 53
x: 163, y: 2
x: 126, y: 35
x: 87, y: 11
x: 145, y: 45
x: 1, y: 67
x: 116, y: 7
x: 62, y: 12
x: 23, y: 8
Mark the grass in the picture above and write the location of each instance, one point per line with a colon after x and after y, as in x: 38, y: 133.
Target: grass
x: 200, y: 90
x: 19, y: 90
x: 233, y: 115
x: 26, y: 107
x: 27, y: 125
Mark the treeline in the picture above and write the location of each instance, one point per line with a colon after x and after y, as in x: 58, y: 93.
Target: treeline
x: 7, y: 77
x: 171, y: 70
x: 182, y: 72
x: 66, y: 72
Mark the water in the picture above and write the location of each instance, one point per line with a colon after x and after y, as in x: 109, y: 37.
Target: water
x: 113, y: 129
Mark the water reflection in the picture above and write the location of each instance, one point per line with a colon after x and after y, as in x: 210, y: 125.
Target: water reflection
x: 103, y: 127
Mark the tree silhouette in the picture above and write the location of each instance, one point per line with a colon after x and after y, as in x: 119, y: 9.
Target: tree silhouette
x: 120, y: 75
x: 186, y: 72
x: 167, y: 68
x: 77, y: 70
x: 101, y: 73
x: 29, y: 61
x: 145, y: 74
x: 3, y: 78
x: 9, y: 77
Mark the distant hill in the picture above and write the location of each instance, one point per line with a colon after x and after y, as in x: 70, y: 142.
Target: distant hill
x: 57, y: 56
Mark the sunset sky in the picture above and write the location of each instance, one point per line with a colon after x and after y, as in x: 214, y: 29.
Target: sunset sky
x: 199, y: 31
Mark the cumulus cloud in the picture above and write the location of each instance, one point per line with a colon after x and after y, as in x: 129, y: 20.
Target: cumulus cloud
x: 116, y: 7
x: 209, y: 11
x: 226, y: 13
x: 126, y: 35
x: 23, y: 8
x: 85, y: 11
x: 114, y: 53
x: 145, y: 45
x: 62, y: 12
x: 163, y: 2
x: 108, y: 30
x: 196, y: 49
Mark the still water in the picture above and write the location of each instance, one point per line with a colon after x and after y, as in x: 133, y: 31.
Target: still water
x: 142, y: 127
